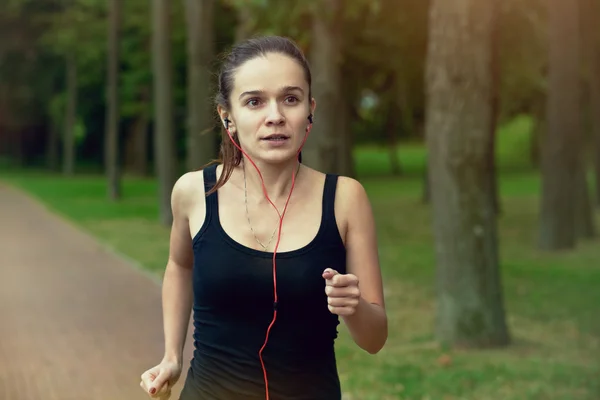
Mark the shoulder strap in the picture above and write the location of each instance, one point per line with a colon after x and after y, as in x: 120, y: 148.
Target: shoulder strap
x: 329, y: 200
x: 210, y: 179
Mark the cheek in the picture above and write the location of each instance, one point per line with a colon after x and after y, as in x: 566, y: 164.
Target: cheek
x: 248, y: 122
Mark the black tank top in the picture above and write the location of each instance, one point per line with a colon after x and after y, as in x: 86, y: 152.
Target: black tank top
x: 233, y: 306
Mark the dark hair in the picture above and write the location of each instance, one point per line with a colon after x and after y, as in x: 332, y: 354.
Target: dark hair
x: 242, y: 52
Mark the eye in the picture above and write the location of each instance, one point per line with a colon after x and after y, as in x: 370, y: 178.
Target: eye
x: 291, y: 99
x: 254, y: 102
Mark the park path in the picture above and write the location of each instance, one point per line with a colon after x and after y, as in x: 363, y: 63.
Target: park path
x: 77, y: 322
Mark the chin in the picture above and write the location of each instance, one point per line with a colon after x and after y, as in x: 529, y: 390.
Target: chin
x: 275, y: 156
x: 278, y: 157
x: 279, y: 154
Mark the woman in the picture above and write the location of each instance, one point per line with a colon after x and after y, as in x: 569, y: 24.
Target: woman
x: 265, y: 326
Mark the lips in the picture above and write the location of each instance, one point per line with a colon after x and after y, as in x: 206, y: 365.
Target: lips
x: 276, y: 137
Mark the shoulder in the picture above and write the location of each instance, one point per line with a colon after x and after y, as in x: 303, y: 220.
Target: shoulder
x: 351, y: 195
x: 186, y: 190
x: 350, y: 187
x: 352, y: 206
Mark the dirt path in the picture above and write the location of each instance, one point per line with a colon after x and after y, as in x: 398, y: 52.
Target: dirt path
x: 77, y: 322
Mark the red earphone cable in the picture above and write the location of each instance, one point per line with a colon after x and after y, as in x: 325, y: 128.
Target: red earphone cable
x: 281, y: 215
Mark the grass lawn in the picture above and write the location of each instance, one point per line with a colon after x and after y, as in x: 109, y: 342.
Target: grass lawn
x: 552, y: 300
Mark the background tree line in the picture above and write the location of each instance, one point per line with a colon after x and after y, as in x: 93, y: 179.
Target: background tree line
x: 126, y: 87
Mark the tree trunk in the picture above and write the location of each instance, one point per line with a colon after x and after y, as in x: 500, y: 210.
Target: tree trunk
x: 561, y: 146
x: 585, y: 224
x: 136, y: 146
x: 495, y: 103
x: 111, y: 144
x: 320, y: 150
x: 345, y: 156
x: 136, y: 149
x: 164, y: 135
x: 52, y: 148
x: 595, y: 115
x: 200, y: 136
x: 593, y: 53
x: 470, y: 310
x: 70, y: 116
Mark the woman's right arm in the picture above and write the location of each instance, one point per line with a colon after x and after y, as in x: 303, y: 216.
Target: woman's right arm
x: 177, y: 281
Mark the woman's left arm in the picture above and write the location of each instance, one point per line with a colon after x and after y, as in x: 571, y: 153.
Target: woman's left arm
x: 367, y: 322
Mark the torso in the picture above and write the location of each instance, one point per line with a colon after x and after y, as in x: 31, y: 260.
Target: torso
x: 233, y: 294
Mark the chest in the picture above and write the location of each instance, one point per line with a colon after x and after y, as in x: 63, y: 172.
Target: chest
x: 238, y: 281
x: 256, y: 224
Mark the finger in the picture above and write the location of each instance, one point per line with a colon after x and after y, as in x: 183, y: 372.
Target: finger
x: 147, y: 379
x: 329, y: 273
x: 340, y: 280
x: 166, y: 395
x: 165, y: 390
x: 342, y: 301
x: 342, y: 311
x: 345, y: 291
x: 160, y: 385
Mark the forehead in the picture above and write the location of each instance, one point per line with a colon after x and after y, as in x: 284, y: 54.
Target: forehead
x: 269, y: 73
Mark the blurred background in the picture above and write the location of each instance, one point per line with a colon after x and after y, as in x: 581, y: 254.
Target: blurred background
x: 474, y: 125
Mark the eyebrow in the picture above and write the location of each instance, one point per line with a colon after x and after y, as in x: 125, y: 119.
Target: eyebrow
x: 283, y: 89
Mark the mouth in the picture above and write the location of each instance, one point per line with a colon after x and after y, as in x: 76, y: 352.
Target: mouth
x: 276, y: 137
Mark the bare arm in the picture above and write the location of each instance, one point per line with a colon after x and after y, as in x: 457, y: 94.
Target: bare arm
x: 368, y: 325
x: 177, y: 281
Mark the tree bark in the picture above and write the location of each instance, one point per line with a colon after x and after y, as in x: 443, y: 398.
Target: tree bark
x: 201, y: 138
x: 593, y: 52
x: 470, y: 310
x: 164, y: 138
x: 585, y: 224
x: 137, y: 140
x: 136, y: 147
x: 320, y: 150
x: 111, y: 144
x: 495, y: 103
x: 345, y: 155
x: 561, y: 146
x: 70, y: 116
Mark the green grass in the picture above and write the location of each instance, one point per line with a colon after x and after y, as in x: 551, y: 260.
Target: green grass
x: 552, y: 300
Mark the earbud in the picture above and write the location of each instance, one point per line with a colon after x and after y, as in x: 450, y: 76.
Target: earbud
x: 226, y: 122
x: 310, y: 118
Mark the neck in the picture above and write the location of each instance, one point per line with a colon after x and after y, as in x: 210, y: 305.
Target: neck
x: 277, y: 179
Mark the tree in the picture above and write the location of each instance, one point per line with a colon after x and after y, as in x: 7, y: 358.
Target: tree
x: 68, y: 165
x: 592, y: 53
x: 470, y: 310
x: 201, y: 136
x: 111, y: 147
x: 584, y: 219
x: 561, y: 146
x: 164, y: 141
x: 321, y: 150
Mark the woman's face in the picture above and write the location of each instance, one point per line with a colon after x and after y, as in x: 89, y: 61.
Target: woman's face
x: 270, y: 106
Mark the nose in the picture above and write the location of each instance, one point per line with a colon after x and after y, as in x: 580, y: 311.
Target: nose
x: 275, y: 117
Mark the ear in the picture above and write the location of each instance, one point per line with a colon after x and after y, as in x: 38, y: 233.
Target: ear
x: 225, y: 118
x: 313, y: 106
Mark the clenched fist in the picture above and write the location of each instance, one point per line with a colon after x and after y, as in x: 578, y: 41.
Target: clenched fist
x: 342, y: 292
x: 157, y: 381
